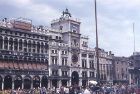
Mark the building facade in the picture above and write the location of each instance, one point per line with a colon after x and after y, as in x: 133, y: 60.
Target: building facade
x: 120, y: 70
x: 39, y: 56
x: 105, y: 66
x: 33, y: 57
x: 134, y: 69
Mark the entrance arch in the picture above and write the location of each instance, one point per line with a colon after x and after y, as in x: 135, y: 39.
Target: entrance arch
x: 0, y: 83
x: 36, y: 81
x: 17, y: 82
x: 54, y: 83
x: 7, y: 82
x: 74, y: 78
x: 27, y: 82
x: 44, y: 81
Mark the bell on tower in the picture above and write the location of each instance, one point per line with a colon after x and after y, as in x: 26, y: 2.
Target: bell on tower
x: 66, y: 13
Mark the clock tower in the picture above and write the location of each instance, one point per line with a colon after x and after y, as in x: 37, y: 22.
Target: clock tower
x: 70, y: 29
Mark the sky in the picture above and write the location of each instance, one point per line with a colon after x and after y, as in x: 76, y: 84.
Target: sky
x: 115, y: 19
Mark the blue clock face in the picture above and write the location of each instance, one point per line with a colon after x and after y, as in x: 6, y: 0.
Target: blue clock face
x: 74, y: 58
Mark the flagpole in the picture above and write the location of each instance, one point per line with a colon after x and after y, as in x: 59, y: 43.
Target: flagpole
x: 97, y: 52
x: 134, y: 36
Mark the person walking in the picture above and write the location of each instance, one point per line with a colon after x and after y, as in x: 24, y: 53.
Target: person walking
x: 87, y: 91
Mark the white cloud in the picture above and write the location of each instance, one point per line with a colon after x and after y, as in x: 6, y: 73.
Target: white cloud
x: 115, y: 18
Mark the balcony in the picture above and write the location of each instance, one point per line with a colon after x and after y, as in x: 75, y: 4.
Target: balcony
x: 28, y: 72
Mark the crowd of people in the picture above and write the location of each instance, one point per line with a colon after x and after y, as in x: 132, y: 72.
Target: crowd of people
x: 92, y: 89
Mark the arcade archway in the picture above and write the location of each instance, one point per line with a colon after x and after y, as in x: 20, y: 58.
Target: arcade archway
x: 27, y: 82
x: 7, y: 82
x: 54, y: 83
x: 75, y: 79
x: 36, y: 81
x: 0, y: 83
x: 44, y: 81
x: 17, y: 82
x: 64, y: 82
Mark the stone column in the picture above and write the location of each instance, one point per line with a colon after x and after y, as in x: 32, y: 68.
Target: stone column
x: 80, y: 82
x: 67, y: 83
x: 40, y: 82
x: 59, y: 83
x: 130, y: 78
x: 13, y: 84
x: 59, y: 57
x: 3, y: 43
x: 3, y: 84
x: 17, y: 45
x: 22, y: 83
x: 8, y: 44
x: 70, y: 82
x: 49, y: 84
x: 31, y: 83
x: 13, y: 44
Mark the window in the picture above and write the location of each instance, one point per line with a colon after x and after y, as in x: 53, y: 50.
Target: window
x: 46, y: 38
x: 84, y: 55
x: 61, y: 27
x: 64, y: 61
x: 56, y: 37
x: 54, y: 51
x: 64, y: 52
x: 126, y: 76
x: 54, y: 60
x: 11, y: 32
x: 84, y: 74
x: 91, y: 74
x: 5, y: 32
x: 20, y: 34
x: 91, y: 64
x: 91, y: 56
x: 59, y: 38
x: 54, y: 72
x: 16, y: 33
x: 117, y: 69
x: 64, y: 73
x: 24, y: 35
x: 122, y: 69
x: 118, y: 76
x: 84, y: 63
x: 42, y: 37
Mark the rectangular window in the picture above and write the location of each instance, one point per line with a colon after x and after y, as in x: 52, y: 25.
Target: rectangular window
x: 84, y: 55
x: 117, y: 69
x: 55, y: 72
x: 84, y: 74
x: 84, y: 64
x: 64, y: 73
x: 91, y: 56
x: 91, y: 74
x: 118, y: 76
x: 56, y: 37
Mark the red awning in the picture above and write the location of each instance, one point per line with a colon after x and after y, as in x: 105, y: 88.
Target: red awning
x: 20, y: 65
x: 30, y: 65
x: 6, y: 65
x: 1, y: 64
x: 25, y: 65
x: 34, y: 66
x: 42, y: 66
x: 11, y: 65
x: 16, y: 65
x: 38, y: 66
